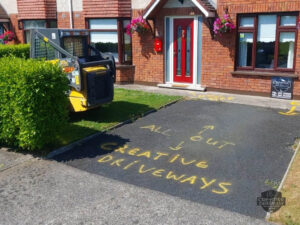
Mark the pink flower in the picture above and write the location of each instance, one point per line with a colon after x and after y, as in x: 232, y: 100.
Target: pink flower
x: 226, y: 17
x: 223, y: 25
x: 138, y: 24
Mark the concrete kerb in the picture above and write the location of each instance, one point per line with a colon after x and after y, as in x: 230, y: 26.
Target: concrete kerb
x: 82, y: 141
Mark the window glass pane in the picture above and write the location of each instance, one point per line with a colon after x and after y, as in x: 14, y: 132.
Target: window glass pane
x: 1, y: 29
x: 167, y: 56
x: 104, y: 24
x: 125, y: 23
x: 288, y: 21
x: 27, y: 36
x: 265, y: 46
x: 127, y: 48
x: 245, y: 49
x: 106, y: 42
x: 127, y: 43
x: 286, y: 50
x: 247, y: 22
x: 179, y: 34
x: 188, y: 52
x: 29, y: 24
x: 53, y: 24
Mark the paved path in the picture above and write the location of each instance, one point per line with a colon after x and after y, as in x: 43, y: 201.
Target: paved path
x: 265, y: 102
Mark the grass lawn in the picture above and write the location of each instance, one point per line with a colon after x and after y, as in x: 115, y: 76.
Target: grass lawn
x: 127, y: 104
x: 290, y: 213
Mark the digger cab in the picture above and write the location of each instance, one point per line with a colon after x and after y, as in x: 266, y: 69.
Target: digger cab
x: 91, y: 74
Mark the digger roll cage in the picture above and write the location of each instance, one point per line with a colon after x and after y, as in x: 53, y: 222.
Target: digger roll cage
x: 53, y: 44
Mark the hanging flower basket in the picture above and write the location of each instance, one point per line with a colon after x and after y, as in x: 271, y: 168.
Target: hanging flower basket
x: 138, y: 25
x: 6, y: 37
x: 224, y: 25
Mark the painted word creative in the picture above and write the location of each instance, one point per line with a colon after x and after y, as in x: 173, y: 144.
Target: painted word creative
x: 213, y: 185
x: 168, y: 157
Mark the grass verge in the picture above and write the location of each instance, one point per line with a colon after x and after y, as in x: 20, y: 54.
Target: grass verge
x: 127, y: 104
x: 290, y: 213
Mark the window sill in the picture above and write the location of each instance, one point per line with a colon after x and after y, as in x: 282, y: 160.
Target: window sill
x: 264, y: 74
x: 124, y: 66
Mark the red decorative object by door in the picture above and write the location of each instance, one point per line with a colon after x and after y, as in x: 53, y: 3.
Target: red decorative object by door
x: 183, y: 50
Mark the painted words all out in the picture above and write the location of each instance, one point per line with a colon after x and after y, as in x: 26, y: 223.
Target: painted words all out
x: 202, y: 136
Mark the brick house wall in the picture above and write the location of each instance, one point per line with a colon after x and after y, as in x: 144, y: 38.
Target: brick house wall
x: 149, y: 65
x: 218, y: 55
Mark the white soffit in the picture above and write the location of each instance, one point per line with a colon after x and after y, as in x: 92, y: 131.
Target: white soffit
x: 177, y: 4
x: 196, y: 3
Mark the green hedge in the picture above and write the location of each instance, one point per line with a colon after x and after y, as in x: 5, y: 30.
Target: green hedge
x: 33, y: 102
x: 21, y: 50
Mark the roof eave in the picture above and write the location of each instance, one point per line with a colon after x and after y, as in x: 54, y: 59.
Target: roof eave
x: 206, y: 12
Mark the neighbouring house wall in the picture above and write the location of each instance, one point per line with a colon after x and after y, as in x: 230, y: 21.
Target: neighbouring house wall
x: 218, y: 56
x: 63, y: 14
x: 33, y: 9
x: 64, y: 5
x: 112, y: 8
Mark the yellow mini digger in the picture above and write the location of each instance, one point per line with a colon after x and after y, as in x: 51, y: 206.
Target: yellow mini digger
x: 91, y: 74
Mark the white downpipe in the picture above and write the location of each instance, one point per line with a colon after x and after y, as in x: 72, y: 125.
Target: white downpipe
x: 71, y: 14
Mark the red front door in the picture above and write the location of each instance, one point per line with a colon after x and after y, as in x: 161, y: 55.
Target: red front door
x: 183, y: 50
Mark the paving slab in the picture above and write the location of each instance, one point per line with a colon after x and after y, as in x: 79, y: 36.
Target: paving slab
x: 218, y: 154
x: 9, y: 158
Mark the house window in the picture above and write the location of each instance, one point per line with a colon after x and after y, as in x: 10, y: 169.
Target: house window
x: 109, y: 36
x: 1, y: 29
x: 35, y: 24
x: 267, y: 42
x: 4, y: 26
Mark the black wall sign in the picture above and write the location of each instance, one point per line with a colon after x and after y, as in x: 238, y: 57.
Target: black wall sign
x: 282, y: 87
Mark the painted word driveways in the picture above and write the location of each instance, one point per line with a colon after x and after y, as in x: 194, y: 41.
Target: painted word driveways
x: 219, y: 154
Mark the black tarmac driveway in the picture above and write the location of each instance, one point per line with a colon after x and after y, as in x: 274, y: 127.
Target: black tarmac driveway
x: 219, y: 154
